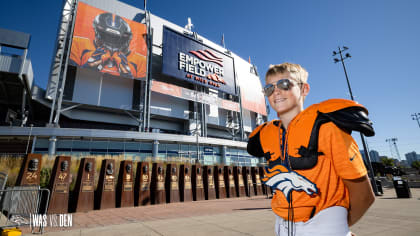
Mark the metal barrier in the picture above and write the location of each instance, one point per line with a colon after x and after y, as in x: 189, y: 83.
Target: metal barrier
x: 3, y: 180
x: 19, y: 204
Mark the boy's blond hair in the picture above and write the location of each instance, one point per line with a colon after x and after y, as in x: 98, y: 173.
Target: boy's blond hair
x: 297, y: 72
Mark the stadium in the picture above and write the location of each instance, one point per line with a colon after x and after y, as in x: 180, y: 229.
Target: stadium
x: 124, y: 82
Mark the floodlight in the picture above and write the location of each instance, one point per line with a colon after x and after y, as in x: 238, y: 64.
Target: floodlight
x: 334, y: 53
x: 348, y: 55
x: 345, y: 48
x: 336, y: 60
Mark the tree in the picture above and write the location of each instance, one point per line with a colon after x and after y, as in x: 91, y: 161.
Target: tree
x: 416, y: 164
x: 387, y: 161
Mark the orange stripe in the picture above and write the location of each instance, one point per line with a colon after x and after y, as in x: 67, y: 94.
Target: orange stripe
x: 274, y: 171
x: 278, y: 167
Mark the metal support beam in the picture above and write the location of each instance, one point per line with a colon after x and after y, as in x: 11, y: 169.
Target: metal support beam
x: 25, y: 88
x: 70, y: 107
x: 203, y: 116
x: 52, y: 145
x: 61, y: 43
x: 33, y: 144
x: 224, y: 152
x: 155, y: 149
x: 149, y: 79
x: 148, y: 68
x: 63, y: 79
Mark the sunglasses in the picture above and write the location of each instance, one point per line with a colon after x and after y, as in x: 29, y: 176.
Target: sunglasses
x: 283, y: 84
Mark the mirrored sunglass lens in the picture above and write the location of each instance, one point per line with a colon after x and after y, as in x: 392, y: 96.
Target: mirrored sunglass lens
x: 268, y: 89
x: 284, y: 84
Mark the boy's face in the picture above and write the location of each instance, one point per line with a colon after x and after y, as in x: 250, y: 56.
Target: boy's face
x: 287, y: 101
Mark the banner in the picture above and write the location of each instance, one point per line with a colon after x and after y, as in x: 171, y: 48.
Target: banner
x: 108, y: 43
x: 252, y: 97
x: 187, y: 59
x: 191, y: 95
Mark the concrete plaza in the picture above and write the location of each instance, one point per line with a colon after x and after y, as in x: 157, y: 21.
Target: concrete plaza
x: 239, y: 216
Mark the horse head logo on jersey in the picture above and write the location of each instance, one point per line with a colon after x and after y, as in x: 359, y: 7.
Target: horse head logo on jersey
x: 280, y: 177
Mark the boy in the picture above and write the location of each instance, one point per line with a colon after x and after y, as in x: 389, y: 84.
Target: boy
x: 314, y: 164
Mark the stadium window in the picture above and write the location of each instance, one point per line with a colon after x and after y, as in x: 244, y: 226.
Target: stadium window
x: 145, y: 151
x: 208, y: 155
x: 217, y: 155
x: 162, y: 152
x: 41, y: 145
x: 193, y: 153
x: 132, y: 147
x: 184, y: 153
x: 115, y: 147
x: 99, y: 147
x: 64, y: 146
x: 172, y: 151
x: 81, y: 146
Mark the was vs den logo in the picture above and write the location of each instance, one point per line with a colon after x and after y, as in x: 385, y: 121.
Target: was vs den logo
x: 51, y: 220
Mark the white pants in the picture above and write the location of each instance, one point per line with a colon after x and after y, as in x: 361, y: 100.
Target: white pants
x: 328, y: 222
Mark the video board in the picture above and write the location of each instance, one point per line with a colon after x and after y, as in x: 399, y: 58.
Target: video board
x: 108, y: 43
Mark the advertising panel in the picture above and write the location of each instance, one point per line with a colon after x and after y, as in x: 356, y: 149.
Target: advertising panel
x: 189, y: 60
x: 108, y: 43
x: 252, y: 97
x: 191, y: 95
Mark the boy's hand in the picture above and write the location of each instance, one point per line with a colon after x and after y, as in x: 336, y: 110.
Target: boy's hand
x: 361, y: 198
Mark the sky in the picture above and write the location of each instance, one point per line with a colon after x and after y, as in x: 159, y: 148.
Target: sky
x: 383, y: 37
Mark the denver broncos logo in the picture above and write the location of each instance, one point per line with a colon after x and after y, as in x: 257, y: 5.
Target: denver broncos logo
x: 280, y: 177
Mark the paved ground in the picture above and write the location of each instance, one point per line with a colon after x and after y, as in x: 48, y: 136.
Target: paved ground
x: 242, y: 216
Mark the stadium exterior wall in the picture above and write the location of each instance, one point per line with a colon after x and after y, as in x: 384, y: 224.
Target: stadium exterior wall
x: 96, y: 99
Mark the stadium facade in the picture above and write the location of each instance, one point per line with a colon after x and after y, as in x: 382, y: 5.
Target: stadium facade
x: 124, y: 81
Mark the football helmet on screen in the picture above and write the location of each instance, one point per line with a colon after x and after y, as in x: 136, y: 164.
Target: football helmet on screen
x: 112, y: 33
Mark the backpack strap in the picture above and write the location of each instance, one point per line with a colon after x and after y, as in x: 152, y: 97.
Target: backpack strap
x: 347, y: 119
x: 352, y: 118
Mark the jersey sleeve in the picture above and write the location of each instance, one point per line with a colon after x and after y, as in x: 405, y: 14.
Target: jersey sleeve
x: 81, y: 50
x: 254, y: 143
x: 346, y: 157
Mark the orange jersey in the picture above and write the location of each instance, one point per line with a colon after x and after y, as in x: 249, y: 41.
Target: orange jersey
x: 83, y: 48
x: 311, y: 190
x: 138, y: 64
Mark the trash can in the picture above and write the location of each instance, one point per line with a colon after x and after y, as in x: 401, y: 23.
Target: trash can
x: 379, y: 186
x: 401, y: 188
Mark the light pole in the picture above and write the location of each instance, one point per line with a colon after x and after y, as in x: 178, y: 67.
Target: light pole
x: 362, y: 137
x: 416, y: 116
x: 393, y: 141
x: 388, y: 140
